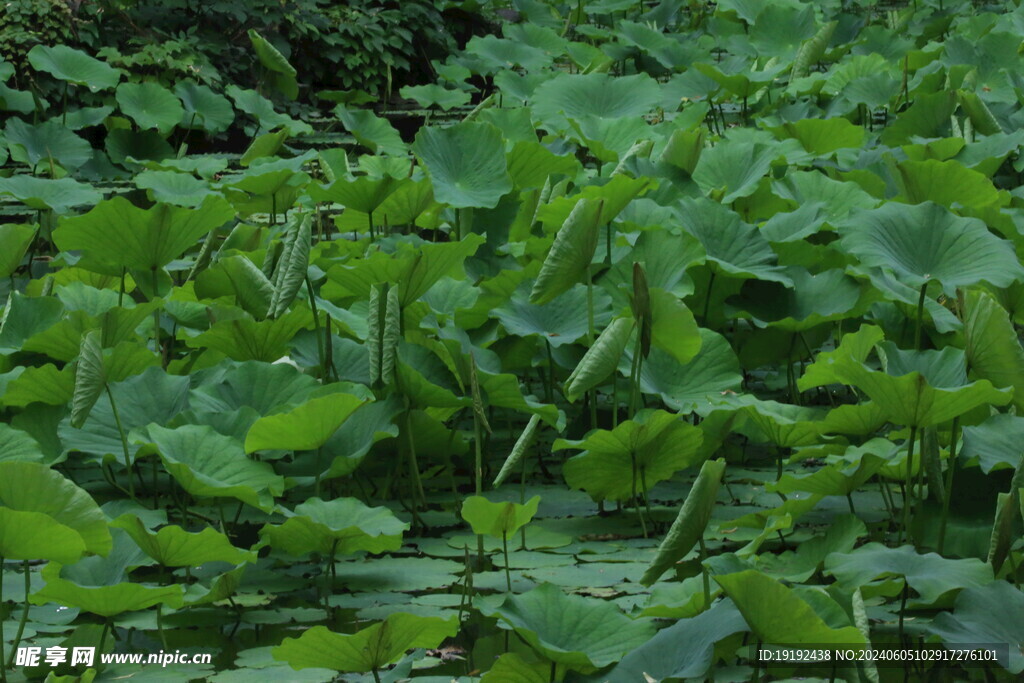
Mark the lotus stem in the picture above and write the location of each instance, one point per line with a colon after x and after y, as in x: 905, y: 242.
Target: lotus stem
x: 522, y: 497
x: 124, y: 442
x: 24, y: 614
x: 479, y: 465
x: 704, y: 573
x: 920, y: 317
x: 636, y: 504
x: 322, y: 340
x: 908, y: 493
x: 707, y: 297
x: 954, y: 438
x: 504, y: 549
x: 3, y: 666
x: 418, y: 494
x: 156, y: 321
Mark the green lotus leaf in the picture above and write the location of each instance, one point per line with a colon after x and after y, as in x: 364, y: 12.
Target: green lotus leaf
x: 208, y: 464
x: 734, y: 247
x: 930, y: 575
x: 992, y: 349
x: 782, y: 424
x: 814, y: 299
x: 90, y: 378
x: 339, y: 527
x: 601, y: 359
x: 306, y: 427
x: 262, y: 109
x: 101, y: 585
x: 530, y: 164
x: 246, y: 339
x: 986, y: 614
x: 18, y: 446
x: 824, y: 136
x: 127, y: 236
x: 995, y: 443
x: 502, y: 53
x: 713, y: 372
x: 665, y: 257
x: 32, y: 144
x: 14, y: 242
x: 571, y: 252
x: 362, y: 194
x: 660, y: 657
x: 962, y: 250
x: 948, y: 183
x: 203, y: 108
x: 26, y: 535
x: 688, y: 528
x: 172, y: 546
x: 434, y: 95
x: 366, y: 650
x: 583, y: 634
x: 129, y: 147
x: 613, y: 196
x: 856, y: 346
x: 733, y: 169
x: 673, y: 328
x: 371, y: 131
x: 599, y: 95
x: 778, y: 615
x: 831, y: 480
x: 170, y: 187
x: 74, y: 66
x: 514, y: 668
x: 32, y: 487
x: 281, y: 73
x: 499, y: 520
x: 799, y: 565
x: 466, y: 163
x: 653, y: 446
x: 264, y: 387
x: 150, y: 105
x: 25, y: 317
x: 563, y: 320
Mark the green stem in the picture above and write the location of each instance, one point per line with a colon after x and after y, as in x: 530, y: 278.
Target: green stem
x: 156, y: 321
x: 3, y: 667
x: 704, y: 573
x: 376, y: 676
x: 421, y: 497
x: 954, y: 439
x: 160, y: 625
x: 319, y: 472
x: 647, y: 500
x: 920, y: 317
x: 479, y: 467
x: 321, y: 344
x: 707, y: 297
x: 504, y: 549
x: 908, y: 494
x: 24, y: 615
x: 522, y: 498
x: 124, y: 442
x: 636, y: 505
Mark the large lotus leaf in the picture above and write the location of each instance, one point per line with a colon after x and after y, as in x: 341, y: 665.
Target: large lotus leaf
x: 814, y: 298
x: 613, y: 196
x: 414, y: 269
x: 16, y: 445
x: 948, y: 183
x: 991, y: 345
x: 371, y: 131
x: 171, y: 187
x: 514, y: 668
x: 362, y: 194
x: 561, y: 321
x: 653, y: 446
x: 306, y: 427
x: 995, y: 443
x: 831, y: 480
x: 41, y: 194
x: 732, y: 169
x: 26, y: 316
x: 263, y: 387
x: 208, y: 464
x: 930, y: 575
x: 172, y: 546
x: 826, y: 368
x: 37, y: 536
x: 665, y: 257
x: 279, y: 72
x: 799, y: 565
x: 339, y: 527
x: 530, y: 164
x: 824, y: 136
x: 14, y: 243
x: 778, y: 615
x: 696, y: 385
x: 434, y: 95
x: 368, y: 649
x: 502, y: 53
x: 736, y: 248
x: 100, y: 584
x: 925, y: 242
x: 74, y: 66
x: 986, y: 614
x: 673, y: 328
x: 583, y: 634
x: 32, y: 487
x: 466, y: 163
x: 944, y: 368
x: 601, y: 359
x: 499, y: 520
x: 599, y: 95
x: 661, y: 658
x: 782, y: 424
x: 31, y: 144
x: 118, y: 232
x: 153, y: 396
x: 838, y: 197
x: 911, y: 401
x: 150, y: 105
x: 571, y: 252
x: 246, y: 339
x: 129, y: 147
x: 203, y: 108
x: 262, y: 109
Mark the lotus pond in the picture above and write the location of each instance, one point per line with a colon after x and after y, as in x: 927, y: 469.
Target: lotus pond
x: 648, y: 334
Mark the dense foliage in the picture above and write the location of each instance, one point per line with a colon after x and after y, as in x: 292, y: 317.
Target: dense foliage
x: 659, y: 331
